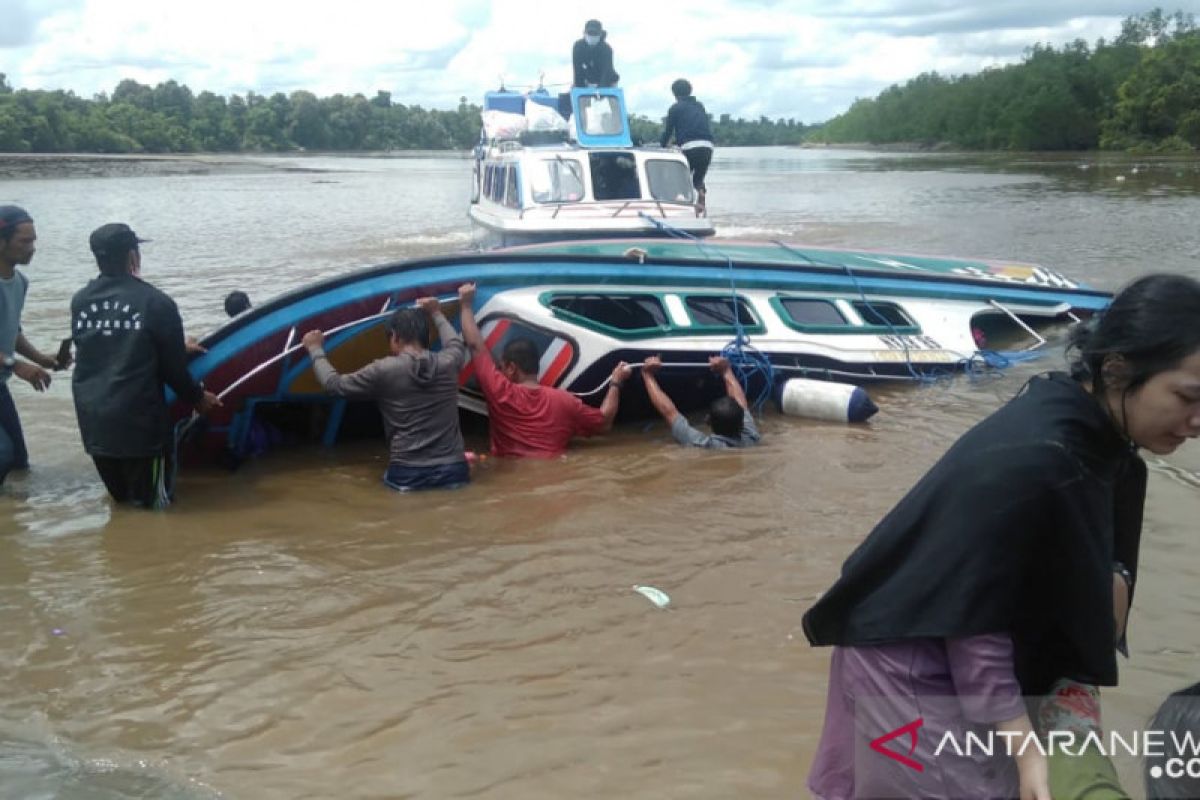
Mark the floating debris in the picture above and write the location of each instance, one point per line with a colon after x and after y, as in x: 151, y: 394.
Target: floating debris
x: 656, y: 596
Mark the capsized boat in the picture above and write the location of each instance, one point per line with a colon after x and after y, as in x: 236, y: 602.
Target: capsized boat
x: 542, y: 175
x: 856, y: 316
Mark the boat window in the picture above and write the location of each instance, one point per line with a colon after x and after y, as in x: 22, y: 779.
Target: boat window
x: 669, y: 180
x: 805, y: 311
x: 556, y: 180
x: 512, y: 197
x: 601, y: 115
x: 614, y: 176
x: 487, y: 180
x: 718, y: 311
x: 884, y: 314
x: 626, y: 312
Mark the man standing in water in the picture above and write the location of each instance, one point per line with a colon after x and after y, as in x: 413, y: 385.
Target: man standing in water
x: 130, y: 346
x: 17, y: 237
x: 524, y: 417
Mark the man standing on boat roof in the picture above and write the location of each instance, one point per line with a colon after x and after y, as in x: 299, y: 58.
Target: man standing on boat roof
x: 524, y: 417
x: 593, y: 58
x: 129, y: 347
x: 17, y: 237
x: 417, y: 393
x: 688, y: 121
x: 729, y: 417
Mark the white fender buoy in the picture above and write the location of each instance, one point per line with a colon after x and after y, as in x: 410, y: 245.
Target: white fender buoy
x: 835, y: 402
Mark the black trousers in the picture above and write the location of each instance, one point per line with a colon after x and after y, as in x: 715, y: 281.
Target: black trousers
x: 143, y: 482
x: 698, y: 159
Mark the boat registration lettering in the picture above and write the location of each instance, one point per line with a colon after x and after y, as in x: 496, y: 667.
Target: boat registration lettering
x: 899, y: 342
x: 912, y: 356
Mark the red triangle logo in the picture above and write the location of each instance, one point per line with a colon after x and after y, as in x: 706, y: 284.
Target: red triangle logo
x: 911, y: 729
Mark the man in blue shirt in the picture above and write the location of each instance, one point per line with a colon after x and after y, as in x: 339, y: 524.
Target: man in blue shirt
x: 17, y: 238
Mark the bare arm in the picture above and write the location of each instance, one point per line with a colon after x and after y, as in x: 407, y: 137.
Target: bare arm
x: 733, y: 388
x: 612, y: 397
x: 26, y: 348
x: 470, y: 329
x: 658, y: 398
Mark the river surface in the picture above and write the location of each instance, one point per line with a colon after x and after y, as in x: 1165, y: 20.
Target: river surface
x: 293, y: 630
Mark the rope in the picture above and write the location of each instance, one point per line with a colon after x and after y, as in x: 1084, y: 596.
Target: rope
x: 746, y: 360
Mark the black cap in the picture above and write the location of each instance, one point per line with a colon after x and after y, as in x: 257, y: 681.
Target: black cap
x: 593, y: 27
x: 11, y: 217
x: 114, y: 239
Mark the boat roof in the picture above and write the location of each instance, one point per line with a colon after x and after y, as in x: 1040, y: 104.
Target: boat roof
x: 790, y: 254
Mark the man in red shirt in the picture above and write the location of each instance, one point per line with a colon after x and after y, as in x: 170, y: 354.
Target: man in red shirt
x: 526, y: 418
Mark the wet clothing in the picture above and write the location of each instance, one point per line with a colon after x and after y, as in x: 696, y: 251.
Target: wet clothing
x: 129, y: 346
x: 594, y: 63
x: 536, y: 422
x: 417, y: 396
x: 688, y: 436
x: 12, y: 302
x: 688, y: 122
x: 13, y: 454
x: 1014, y: 530
x: 143, y: 482
x: 960, y: 685
x: 441, y: 476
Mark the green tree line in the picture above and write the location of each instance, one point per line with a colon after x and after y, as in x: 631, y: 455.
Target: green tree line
x: 1139, y: 91
x: 169, y: 118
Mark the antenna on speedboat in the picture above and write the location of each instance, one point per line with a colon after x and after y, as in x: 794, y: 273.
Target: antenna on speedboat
x: 502, y: 83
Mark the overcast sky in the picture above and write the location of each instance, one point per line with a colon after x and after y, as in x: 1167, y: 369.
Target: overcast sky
x: 782, y: 58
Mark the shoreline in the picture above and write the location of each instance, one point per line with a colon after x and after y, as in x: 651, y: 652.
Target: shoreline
x: 33, y: 166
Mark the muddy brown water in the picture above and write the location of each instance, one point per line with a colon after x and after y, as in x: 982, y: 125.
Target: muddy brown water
x: 295, y: 631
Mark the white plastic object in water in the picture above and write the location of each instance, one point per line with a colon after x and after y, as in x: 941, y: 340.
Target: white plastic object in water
x: 835, y: 402
x: 656, y: 596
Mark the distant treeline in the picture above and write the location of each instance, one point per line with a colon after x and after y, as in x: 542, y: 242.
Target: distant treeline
x: 1140, y: 91
x: 169, y: 118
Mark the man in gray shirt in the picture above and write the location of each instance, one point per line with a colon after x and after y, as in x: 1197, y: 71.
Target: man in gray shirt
x: 17, y: 237
x: 417, y: 393
x: 729, y: 416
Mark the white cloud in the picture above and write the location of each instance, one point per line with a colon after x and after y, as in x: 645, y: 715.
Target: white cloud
x: 802, y: 59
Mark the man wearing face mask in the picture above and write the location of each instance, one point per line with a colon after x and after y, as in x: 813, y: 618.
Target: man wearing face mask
x: 593, y: 58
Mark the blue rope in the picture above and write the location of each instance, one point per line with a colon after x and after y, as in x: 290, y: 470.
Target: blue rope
x: 746, y: 361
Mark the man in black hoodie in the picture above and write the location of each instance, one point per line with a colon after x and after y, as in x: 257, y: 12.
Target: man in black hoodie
x: 688, y: 121
x: 129, y: 346
x: 593, y: 58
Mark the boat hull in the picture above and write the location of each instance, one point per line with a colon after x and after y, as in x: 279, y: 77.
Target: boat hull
x: 256, y: 363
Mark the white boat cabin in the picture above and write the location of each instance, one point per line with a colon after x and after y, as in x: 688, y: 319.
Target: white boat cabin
x: 541, y: 177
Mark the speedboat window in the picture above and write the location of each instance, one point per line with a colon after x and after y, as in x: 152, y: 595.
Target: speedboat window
x: 556, y: 180
x: 614, y: 176
x: 719, y: 311
x: 512, y: 197
x: 626, y: 312
x: 669, y: 180
x: 601, y: 115
x: 805, y: 311
x: 882, y: 314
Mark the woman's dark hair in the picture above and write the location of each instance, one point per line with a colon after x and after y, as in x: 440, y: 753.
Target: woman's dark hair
x: 1179, y: 720
x: 1152, y: 325
x: 410, y: 326
x: 10, y: 218
x: 681, y: 88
